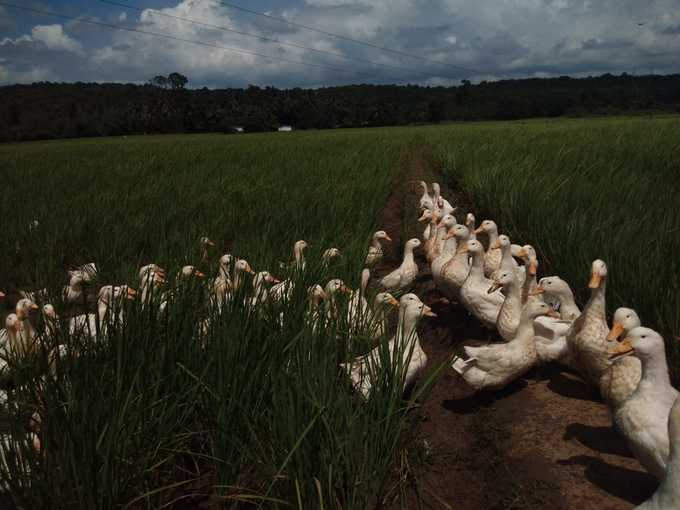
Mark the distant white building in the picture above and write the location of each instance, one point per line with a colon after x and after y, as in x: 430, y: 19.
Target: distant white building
x: 285, y: 129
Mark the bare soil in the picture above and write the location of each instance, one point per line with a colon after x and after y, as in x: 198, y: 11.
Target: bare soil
x: 546, y: 441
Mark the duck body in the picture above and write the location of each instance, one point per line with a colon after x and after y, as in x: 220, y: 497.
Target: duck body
x: 493, y: 367
x: 455, y: 271
x: 375, y: 250
x: 474, y: 293
x: 405, y: 342
x: 643, y: 417
x: 667, y: 495
x: 403, y: 277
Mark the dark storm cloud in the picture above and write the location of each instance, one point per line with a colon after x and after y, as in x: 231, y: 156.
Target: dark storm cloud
x: 504, y: 38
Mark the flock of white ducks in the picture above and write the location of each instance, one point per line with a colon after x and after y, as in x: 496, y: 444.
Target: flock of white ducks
x: 538, y: 321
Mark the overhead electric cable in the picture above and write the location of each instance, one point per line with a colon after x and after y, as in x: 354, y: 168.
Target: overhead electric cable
x: 268, y: 39
x: 346, y: 38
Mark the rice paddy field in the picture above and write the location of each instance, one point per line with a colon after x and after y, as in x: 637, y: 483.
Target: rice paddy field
x: 253, y: 411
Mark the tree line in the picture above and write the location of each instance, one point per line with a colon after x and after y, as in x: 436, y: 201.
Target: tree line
x: 165, y: 105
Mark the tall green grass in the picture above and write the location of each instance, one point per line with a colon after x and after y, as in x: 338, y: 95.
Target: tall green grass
x: 255, y: 411
x: 580, y: 190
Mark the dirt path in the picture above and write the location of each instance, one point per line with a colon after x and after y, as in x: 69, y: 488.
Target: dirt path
x: 544, y: 442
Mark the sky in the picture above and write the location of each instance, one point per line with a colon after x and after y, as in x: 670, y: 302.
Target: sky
x: 426, y: 42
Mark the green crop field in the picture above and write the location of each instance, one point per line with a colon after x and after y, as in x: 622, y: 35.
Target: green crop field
x: 254, y: 411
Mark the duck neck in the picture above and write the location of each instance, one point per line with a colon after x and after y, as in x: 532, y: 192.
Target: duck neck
x: 408, y: 256
x: 407, y: 326
x: 525, y: 329
x: 299, y: 256
x: 568, y: 308
x: 493, y: 237
x: 595, y: 309
x: 655, y: 373
x: 477, y: 266
x: 238, y: 278
x: 375, y: 243
x: 513, y: 298
x: 423, y: 186
x: 507, y: 261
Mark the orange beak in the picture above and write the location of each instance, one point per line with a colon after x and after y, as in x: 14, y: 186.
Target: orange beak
x: 616, y: 331
x: 553, y: 314
x: 595, y: 281
x: 131, y: 294
x: 533, y: 268
x: 388, y: 238
x: 479, y: 230
x: 393, y: 302
x: 34, y: 306
x: 621, y: 349
x: 537, y: 291
x: 494, y: 288
x: 497, y: 244
x: 449, y: 235
x: 345, y: 289
x: 424, y: 216
x: 427, y: 311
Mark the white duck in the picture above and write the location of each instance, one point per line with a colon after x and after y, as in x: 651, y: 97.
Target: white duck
x: 205, y: 244
x: 667, y: 496
x: 474, y: 293
x: 426, y: 201
x: 74, y: 292
x: 587, y: 338
x: 492, y: 258
x: 150, y: 284
x: 619, y: 382
x: 508, y: 263
x: 260, y: 292
x: 510, y: 312
x: 434, y: 218
x: 109, y: 295
x: 470, y: 223
x: 358, y: 309
x: 643, y: 417
x: 528, y: 255
x: 375, y: 250
x: 333, y: 288
x: 493, y: 367
x: 299, y: 255
x: 440, y: 202
x: 456, y: 270
x: 329, y: 255
x: 557, y: 291
x: 146, y: 270
x: 426, y: 218
x: 438, y: 242
x: 26, y: 340
x: 405, y: 343
x: 403, y: 277
x: 447, y: 250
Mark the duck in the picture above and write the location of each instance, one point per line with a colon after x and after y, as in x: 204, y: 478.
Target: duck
x: 329, y: 255
x: 493, y: 367
x: 508, y: 263
x: 299, y: 255
x: 426, y: 218
x: 381, y: 304
x: 643, y: 418
x: 333, y: 288
x: 50, y: 319
x: 587, y: 338
x: 313, y: 315
x: 375, y: 250
x: 455, y: 271
x: 557, y: 291
x: 74, y: 292
x: 362, y: 371
x: 470, y: 223
x: 492, y: 258
x: 443, y: 247
x: 358, y: 309
x: 205, y: 243
x: 403, y: 277
x: 440, y: 202
x: 260, y: 292
x: 150, y: 284
x: 108, y: 296
x: 667, y: 495
x: 241, y: 268
x: 474, y: 293
x: 426, y: 201
x: 528, y: 255
x: 25, y: 341
x: 146, y: 270
x: 222, y: 282
x: 510, y: 312
x: 621, y: 379
x: 428, y: 244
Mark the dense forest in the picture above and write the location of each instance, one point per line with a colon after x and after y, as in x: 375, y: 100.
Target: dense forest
x: 166, y: 105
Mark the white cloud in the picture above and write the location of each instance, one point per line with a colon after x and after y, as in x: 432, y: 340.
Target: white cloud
x: 504, y: 38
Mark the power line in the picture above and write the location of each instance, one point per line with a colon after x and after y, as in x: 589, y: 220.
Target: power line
x: 179, y: 39
x: 266, y: 39
x: 345, y: 38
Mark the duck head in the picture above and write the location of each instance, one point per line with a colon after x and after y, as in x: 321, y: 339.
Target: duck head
x: 644, y: 343
x: 553, y: 286
x: 381, y: 235
x: 598, y: 274
x: 24, y: 308
x: 502, y: 279
x: 460, y: 232
x: 447, y: 222
x: 470, y: 221
x: 242, y: 266
x: 336, y: 286
x: 329, y: 254
x: 411, y: 307
x: 625, y: 319
x: 385, y: 300
x: 535, y: 309
x: 412, y: 244
x: 528, y: 255
x: 188, y: 272
x: 426, y: 216
x: 487, y: 226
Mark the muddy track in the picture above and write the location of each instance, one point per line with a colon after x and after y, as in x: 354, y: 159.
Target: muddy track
x: 544, y: 442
